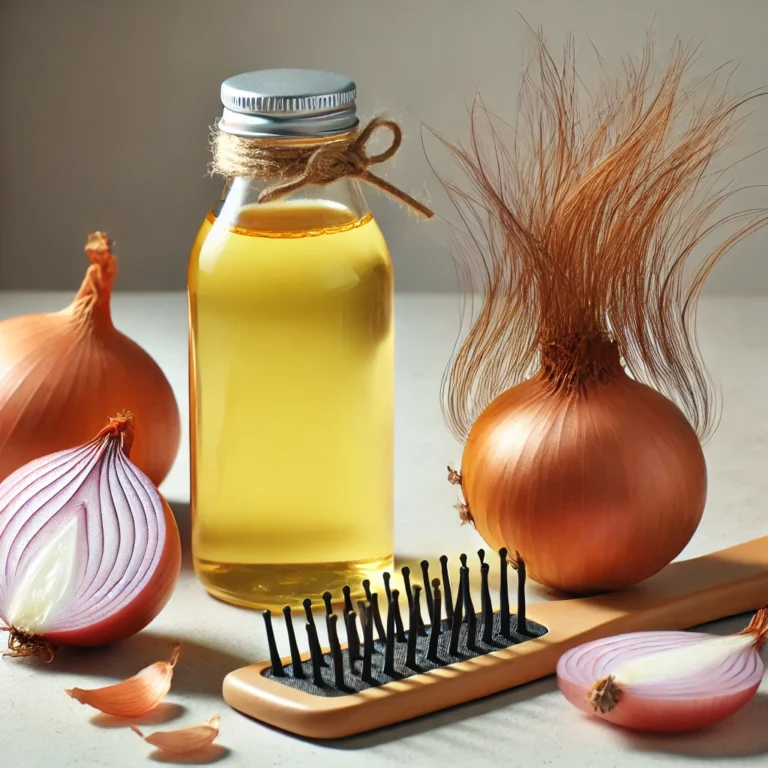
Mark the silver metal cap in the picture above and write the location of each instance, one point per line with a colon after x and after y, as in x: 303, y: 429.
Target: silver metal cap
x: 288, y: 103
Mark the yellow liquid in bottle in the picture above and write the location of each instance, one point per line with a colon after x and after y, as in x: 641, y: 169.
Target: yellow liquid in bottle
x: 291, y: 386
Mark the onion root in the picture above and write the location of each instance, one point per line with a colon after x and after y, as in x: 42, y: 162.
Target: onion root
x: 454, y: 477
x: 605, y: 695
x: 22, y: 645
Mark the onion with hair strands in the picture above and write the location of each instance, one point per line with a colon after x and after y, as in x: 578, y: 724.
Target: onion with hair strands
x: 579, y: 390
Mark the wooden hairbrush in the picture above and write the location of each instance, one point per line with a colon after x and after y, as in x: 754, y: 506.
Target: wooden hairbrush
x: 395, y: 674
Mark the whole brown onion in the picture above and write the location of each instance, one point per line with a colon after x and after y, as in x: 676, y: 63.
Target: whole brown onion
x: 60, y: 372
x: 597, y: 489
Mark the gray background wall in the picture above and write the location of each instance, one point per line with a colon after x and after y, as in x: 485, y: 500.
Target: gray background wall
x: 105, y: 106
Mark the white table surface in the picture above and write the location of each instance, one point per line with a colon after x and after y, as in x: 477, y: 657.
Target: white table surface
x: 529, y: 726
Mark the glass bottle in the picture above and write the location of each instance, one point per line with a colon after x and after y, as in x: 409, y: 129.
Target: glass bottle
x: 291, y: 366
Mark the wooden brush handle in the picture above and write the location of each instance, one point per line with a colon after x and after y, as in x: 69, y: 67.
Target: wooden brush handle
x: 684, y: 594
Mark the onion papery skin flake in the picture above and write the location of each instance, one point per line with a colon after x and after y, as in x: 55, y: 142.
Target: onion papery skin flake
x: 613, y: 469
x: 89, y: 549
x: 670, y: 703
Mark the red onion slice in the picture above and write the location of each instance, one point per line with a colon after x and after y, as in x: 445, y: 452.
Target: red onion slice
x: 90, y: 548
x: 665, y: 681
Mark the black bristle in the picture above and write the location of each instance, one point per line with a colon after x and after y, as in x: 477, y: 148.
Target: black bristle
x: 367, y: 613
x: 338, y: 661
x: 406, y: 571
x: 437, y: 616
x: 347, y: 592
x: 328, y: 600
x: 447, y: 588
x: 361, y: 613
x: 314, y: 648
x: 389, y: 650
x: 399, y: 628
x: 274, y: 656
x: 353, y: 638
x: 487, y: 606
x: 481, y: 555
x: 296, y: 667
x: 504, y: 595
x: 466, y: 590
x: 313, y: 639
x: 417, y: 607
x: 453, y: 649
x: 463, y: 560
x: 470, y: 611
x: 425, y: 576
x: 472, y: 631
x: 522, y: 622
x: 485, y: 595
x: 367, y: 589
x: 414, y: 628
x: 387, y: 590
x: 434, y: 636
x: 377, y: 617
x: 422, y: 630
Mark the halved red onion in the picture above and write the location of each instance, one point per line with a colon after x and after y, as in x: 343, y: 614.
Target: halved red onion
x: 89, y: 549
x: 665, y: 681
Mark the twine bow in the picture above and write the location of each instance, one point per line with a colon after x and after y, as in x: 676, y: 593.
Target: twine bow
x: 235, y: 156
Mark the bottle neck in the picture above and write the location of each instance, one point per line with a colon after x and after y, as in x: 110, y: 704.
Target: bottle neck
x: 343, y: 195
x: 341, y: 199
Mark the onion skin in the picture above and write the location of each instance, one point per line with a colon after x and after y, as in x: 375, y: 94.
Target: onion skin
x: 60, y: 373
x: 135, y: 696
x: 183, y: 741
x: 140, y: 612
x: 597, y: 488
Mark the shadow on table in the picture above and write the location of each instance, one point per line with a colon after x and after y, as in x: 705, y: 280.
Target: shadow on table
x: 164, y: 712
x: 183, y: 515
x: 743, y: 735
x: 211, y: 754
x: 200, y: 669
